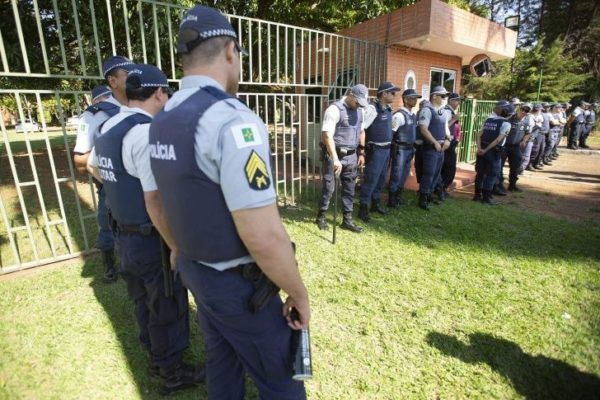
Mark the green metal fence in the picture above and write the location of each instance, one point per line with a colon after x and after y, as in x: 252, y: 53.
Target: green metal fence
x: 473, y: 114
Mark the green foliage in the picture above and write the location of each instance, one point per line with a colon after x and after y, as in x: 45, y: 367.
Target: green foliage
x: 562, y: 76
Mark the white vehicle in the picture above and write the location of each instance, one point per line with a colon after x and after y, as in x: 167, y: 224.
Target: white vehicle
x: 29, y: 125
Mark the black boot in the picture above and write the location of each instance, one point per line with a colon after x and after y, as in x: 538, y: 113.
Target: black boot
x: 399, y: 198
x: 423, y: 201
x: 477, y: 194
x: 439, y: 193
x: 377, y: 207
x: 321, y: 223
x: 547, y: 161
x: 348, y: 224
x: 363, y: 212
x: 180, y: 376
x: 108, y: 260
x: 499, y: 190
x: 392, y: 199
x: 530, y: 168
x: 512, y: 187
x: 488, y: 199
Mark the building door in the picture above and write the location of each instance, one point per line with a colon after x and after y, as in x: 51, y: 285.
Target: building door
x: 443, y: 77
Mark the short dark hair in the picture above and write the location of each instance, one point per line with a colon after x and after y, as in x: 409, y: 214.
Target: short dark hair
x: 205, y: 52
x: 134, y: 90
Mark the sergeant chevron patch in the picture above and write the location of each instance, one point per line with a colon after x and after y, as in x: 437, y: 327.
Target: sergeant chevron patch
x: 257, y: 172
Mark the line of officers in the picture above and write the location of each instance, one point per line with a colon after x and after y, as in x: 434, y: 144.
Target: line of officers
x: 527, y: 136
x: 356, y: 133
x: 189, y: 173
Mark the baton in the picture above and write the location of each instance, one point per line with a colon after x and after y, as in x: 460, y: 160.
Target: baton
x: 336, y: 181
x: 165, y: 253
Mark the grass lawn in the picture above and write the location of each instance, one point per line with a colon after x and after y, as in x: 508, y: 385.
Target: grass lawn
x: 465, y: 301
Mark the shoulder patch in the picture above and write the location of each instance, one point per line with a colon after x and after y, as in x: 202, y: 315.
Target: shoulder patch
x: 257, y: 173
x: 246, y: 135
x: 83, y: 128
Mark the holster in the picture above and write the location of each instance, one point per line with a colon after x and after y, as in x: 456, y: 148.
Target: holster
x: 264, y: 288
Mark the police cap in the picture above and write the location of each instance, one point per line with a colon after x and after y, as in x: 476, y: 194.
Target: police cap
x: 116, y: 62
x: 100, y: 91
x: 201, y: 23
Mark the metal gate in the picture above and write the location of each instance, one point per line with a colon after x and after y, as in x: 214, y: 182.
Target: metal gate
x: 51, y: 54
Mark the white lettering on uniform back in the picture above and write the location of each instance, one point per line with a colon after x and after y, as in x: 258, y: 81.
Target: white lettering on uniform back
x: 162, y: 151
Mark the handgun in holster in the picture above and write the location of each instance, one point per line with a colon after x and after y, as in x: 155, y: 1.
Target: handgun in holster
x: 264, y: 288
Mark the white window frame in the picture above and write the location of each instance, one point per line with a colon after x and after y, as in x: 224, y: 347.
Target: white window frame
x: 443, y: 70
x: 410, y: 74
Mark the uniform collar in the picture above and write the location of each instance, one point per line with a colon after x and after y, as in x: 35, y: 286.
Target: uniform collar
x: 135, y: 110
x: 112, y: 100
x: 196, y: 81
x: 406, y: 109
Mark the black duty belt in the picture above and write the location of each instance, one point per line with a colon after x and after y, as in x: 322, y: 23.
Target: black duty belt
x: 380, y: 146
x: 345, y: 151
x: 405, y: 144
x: 143, y: 229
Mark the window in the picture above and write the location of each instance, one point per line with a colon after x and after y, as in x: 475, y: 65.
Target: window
x: 410, y: 81
x: 481, y: 68
x: 443, y: 77
x: 345, y: 79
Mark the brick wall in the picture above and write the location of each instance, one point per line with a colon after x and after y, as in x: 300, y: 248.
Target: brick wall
x: 402, y: 59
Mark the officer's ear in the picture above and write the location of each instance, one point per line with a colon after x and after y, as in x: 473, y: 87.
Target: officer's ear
x: 230, y: 52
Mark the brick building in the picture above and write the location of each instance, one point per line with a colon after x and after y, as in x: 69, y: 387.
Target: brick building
x: 422, y: 45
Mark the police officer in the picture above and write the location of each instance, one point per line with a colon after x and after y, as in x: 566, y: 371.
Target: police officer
x: 449, y: 166
x: 404, y: 127
x: 418, y: 164
x: 122, y: 156
x: 211, y: 164
x: 100, y: 93
x: 576, y: 123
x: 539, y: 146
x: 433, y: 126
x: 590, y: 122
x: 378, y: 129
x: 556, y: 124
x: 343, y: 141
x: 115, y: 72
x: 516, y: 140
x: 489, y: 143
x: 536, y: 115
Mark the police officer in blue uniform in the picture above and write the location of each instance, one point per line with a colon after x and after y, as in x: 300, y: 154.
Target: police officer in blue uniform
x: 100, y: 93
x: 448, y: 171
x: 122, y: 156
x: 343, y: 142
x: 404, y: 126
x: 536, y: 124
x: 576, y: 123
x: 433, y: 126
x: 517, y: 139
x: 378, y: 129
x: 115, y: 71
x: 489, y: 148
x: 210, y: 159
x: 590, y: 123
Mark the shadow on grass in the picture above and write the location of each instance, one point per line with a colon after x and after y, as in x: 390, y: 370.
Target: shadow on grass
x: 532, y: 376
x: 460, y: 222
x: 112, y: 297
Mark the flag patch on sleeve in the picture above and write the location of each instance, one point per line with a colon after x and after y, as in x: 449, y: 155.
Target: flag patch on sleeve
x: 257, y: 172
x: 246, y: 135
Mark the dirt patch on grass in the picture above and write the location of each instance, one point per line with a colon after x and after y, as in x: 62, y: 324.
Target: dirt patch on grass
x: 569, y: 188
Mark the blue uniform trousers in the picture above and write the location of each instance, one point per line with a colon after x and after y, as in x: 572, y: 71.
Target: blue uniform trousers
x: 449, y: 166
x: 526, y: 153
x: 551, y: 141
x: 539, y: 145
x: 105, y: 240
x: 375, y: 172
x: 163, y: 322
x: 487, y: 167
x: 575, y: 132
x: 348, y: 179
x: 401, y: 167
x: 418, y: 162
x: 432, y: 165
x: 236, y: 340
x: 512, y: 153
